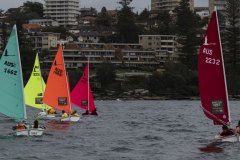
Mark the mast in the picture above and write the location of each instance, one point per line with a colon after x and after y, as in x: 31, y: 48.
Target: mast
x: 88, y: 85
x: 67, y: 82
x: 19, y: 58
x: 41, y: 81
x: 215, y: 8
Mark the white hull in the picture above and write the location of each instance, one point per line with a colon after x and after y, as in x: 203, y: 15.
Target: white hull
x: 29, y: 132
x: 70, y: 119
x: 233, y: 138
x: 44, y: 115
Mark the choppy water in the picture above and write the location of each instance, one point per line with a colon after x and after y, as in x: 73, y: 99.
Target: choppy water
x: 126, y: 130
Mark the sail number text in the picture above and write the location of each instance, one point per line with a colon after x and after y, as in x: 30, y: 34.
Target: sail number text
x: 8, y: 70
x: 212, y: 61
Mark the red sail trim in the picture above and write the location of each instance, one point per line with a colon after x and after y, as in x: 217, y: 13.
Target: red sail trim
x: 211, y: 75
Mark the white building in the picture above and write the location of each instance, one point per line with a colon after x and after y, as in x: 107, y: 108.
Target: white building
x: 220, y: 5
x: 45, y: 40
x: 167, y: 5
x: 159, y: 42
x: 44, y: 22
x: 63, y: 11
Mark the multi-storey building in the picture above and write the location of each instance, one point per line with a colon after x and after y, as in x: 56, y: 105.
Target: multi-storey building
x: 63, y: 11
x: 44, y: 22
x: 167, y: 5
x: 220, y: 5
x: 129, y: 55
x: 45, y: 40
x: 159, y: 42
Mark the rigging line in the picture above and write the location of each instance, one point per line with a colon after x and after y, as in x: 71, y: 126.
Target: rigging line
x: 214, y: 116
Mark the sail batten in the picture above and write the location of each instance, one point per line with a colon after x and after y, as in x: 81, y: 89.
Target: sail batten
x: 211, y: 75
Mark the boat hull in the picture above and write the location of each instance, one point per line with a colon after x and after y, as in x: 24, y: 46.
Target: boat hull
x: 233, y: 138
x: 70, y: 119
x: 44, y: 115
x: 29, y: 132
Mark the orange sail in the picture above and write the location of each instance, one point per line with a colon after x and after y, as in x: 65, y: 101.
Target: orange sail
x: 56, y: 93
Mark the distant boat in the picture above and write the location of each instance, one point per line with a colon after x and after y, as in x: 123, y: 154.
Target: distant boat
x: 34, y: 89
x: 82, y: 96
x: 212, y: 80
x: 12, y: 102
x: 57, y: 91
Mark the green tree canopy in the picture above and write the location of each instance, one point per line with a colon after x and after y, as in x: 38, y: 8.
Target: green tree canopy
x: 103, y: 19
x: 106, y: 74
x: 126, y: 27
x: 187, y: 25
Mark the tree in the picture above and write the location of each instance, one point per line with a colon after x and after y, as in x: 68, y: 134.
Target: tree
x: 164, y: 21
x: 126, y: 27
x: 144, y: 15
x: 103, y: 19
x: 186, y: 24
x: 36, y: 7
x: 106, y: 74
x: 231, y: 38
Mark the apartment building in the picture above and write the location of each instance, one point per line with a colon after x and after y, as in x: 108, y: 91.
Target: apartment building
x: 129, y: 55
x: 220, y: 5
x: 159, y: 42
x: 45, y: 40
x: 44, y: 22
x: 63, y: 11
x: 167, y: 5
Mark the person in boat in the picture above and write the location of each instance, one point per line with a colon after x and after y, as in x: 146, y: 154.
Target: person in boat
x: 86, y: 113
x: 226, y: 131
x: 237, y: 130
x: 74, y: 114
x: 64, y: 114
x: 20, y: 126
x: 51, y: 111
x: 94, y: 112
x: 35, y: 124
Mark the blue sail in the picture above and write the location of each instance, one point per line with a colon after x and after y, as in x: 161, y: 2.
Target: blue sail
x: 11, y: 81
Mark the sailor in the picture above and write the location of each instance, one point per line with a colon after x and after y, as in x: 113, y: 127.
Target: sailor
x: 237, y: 130
x: 64, y: 114
x: 74, y: 113
x: 35, y: 124
x: 226, y: 131
x: 86, y: 113
x: 51, y: 111
x: 20, y: 126
x: 94, y: 112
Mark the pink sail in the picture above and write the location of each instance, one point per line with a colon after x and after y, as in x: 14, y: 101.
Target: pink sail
x: 82, y: 94
x: 211, y: 76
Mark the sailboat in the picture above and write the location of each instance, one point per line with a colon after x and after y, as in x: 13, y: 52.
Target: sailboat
x: 212, y: 79
x: 34, y: 90
x: 12, y: 102
x: 81, y: 95
x: 57, y: 93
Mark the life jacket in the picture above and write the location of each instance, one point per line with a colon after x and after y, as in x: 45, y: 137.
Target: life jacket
x: 19, y: 127
x: 65, y: 115
x: 75, y: 115
x: 51, y: 111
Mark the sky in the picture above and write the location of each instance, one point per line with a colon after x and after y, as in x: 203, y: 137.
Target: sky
x: 138, y: 5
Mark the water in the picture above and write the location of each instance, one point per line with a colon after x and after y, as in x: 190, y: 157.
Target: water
x: 126, y: 130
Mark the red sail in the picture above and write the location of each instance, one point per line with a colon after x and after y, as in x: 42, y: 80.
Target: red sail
x: 82, y: 94
x: 56, y: 93
x: 211, y: 76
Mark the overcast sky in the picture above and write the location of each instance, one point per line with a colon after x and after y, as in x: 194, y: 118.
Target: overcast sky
x: 109, y: 4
